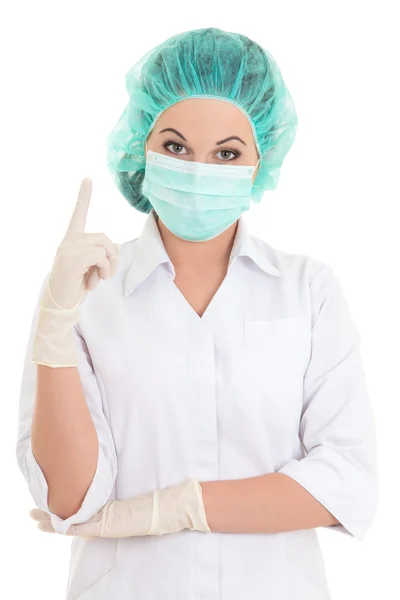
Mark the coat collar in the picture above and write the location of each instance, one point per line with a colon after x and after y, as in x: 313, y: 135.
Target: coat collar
x: 256, y: 250
x: 149, y: 252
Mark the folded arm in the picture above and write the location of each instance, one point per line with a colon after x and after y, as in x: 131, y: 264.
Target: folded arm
x: 267, y: 504
x: 333, y: 485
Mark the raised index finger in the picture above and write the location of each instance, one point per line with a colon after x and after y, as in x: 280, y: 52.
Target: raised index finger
x: 78, y: 219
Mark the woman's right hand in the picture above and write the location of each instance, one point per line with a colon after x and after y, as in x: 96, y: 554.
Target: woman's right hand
x: 82, y: 259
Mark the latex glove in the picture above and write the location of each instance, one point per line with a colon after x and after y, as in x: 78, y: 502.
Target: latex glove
x: 169, y: 510
x: 82, y: 259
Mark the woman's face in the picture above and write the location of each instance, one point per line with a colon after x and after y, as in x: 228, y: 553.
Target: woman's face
x: 205, y: 130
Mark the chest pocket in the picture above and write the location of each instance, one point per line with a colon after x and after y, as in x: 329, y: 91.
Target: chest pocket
x: 274, y: 354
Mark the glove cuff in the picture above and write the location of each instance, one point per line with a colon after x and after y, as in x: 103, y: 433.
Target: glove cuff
x: 179, y: 507
x: 54, y: 343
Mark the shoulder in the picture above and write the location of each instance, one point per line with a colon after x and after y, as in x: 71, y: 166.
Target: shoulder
x: 326, y: 296
x: 293, y: 265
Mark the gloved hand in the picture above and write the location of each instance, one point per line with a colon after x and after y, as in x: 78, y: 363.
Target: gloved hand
x: 169, y: 510
x: 82, y: 259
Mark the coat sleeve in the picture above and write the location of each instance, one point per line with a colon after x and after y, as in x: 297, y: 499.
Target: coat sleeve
x: 102, y: 484
x: 337, y: 426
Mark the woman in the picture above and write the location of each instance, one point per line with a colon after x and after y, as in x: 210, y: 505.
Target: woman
x: 200, y: 404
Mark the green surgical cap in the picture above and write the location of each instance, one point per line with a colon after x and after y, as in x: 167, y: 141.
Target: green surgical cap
x: 203, y: 63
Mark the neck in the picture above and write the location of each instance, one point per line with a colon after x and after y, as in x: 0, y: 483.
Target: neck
x: 198, y: 254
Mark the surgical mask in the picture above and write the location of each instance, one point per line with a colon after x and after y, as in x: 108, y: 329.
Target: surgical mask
x: 196, y: 201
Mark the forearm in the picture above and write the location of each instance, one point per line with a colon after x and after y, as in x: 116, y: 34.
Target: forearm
x: 270, y: 503
x: 64, y: 439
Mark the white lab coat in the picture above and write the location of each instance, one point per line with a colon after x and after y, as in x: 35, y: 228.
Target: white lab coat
x: 269, y: 379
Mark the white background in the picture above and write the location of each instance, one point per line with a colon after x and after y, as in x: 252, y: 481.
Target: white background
x: 63, y: 89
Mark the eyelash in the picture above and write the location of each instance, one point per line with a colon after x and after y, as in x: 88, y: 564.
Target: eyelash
x: 169, y: 143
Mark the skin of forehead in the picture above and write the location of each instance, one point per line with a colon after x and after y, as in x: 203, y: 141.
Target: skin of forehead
x: 214, y: 120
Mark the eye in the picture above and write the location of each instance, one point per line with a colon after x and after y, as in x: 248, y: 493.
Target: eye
x: 176, y: 148
x: 229, y: 152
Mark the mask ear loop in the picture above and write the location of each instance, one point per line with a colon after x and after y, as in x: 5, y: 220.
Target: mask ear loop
x: 145, y: 156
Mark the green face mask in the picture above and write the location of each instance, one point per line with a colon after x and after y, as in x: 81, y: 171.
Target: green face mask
x: 196, y: 201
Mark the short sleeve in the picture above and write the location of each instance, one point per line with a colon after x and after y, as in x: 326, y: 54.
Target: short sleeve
x: 101, y: 487
x: 337, y: 426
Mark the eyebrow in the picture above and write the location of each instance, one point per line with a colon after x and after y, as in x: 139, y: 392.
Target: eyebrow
x: 174, y: 131
x: 232, y: 137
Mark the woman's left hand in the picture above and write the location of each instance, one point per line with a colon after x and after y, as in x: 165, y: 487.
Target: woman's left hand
x: 91, y: 528
x: 116, y: 519
x: 168, y: 510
